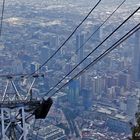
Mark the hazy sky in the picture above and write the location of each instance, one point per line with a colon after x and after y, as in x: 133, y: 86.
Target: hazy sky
x: 75, y: 1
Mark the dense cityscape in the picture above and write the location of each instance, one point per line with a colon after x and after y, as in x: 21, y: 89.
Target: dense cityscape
x: 101, y: 103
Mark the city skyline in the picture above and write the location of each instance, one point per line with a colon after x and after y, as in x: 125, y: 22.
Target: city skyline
x: 100, y: 103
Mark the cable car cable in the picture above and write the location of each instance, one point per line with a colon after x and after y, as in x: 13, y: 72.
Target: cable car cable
x: 67, y: 38
x: 93, y: 50
x: 2, y: 16
x: 126, y: 36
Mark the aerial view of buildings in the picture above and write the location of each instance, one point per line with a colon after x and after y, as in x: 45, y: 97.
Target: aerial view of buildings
x: 101, y: 103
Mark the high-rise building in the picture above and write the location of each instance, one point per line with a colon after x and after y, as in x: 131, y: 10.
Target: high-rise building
x: 82, y: 80
x: 87, y: 98
x: 44, y: 53
x: 132, y: 105
x: 110, y: 81
x: 17, y: 67
x: 54, y: 44
x: 68, y: 67
x: 34, y: 66
x: 98, y: 35
x: 124, y: 80
x: 97, y: 86
x: 79, y: 43
x: 136, y: 61
x: 54, y: 41
x: 73, y: 94
x: 123, y: 104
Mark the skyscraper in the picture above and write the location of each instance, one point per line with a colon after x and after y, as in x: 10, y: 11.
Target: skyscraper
x: 73, y: 92
x: 136, y: 60
x: 87, y: 98
x: 79, y: 43
x: 98, y: 35
x: 97, y: 86
x: 80, y: 55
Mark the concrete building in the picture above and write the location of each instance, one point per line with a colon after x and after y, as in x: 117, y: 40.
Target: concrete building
x: 79, y: 43
x: 87, y: 98
x: 136, y: 61
x: 119, y: 123
x: 73, y: 92
x: 132, y: 105
x: 51, y: 132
